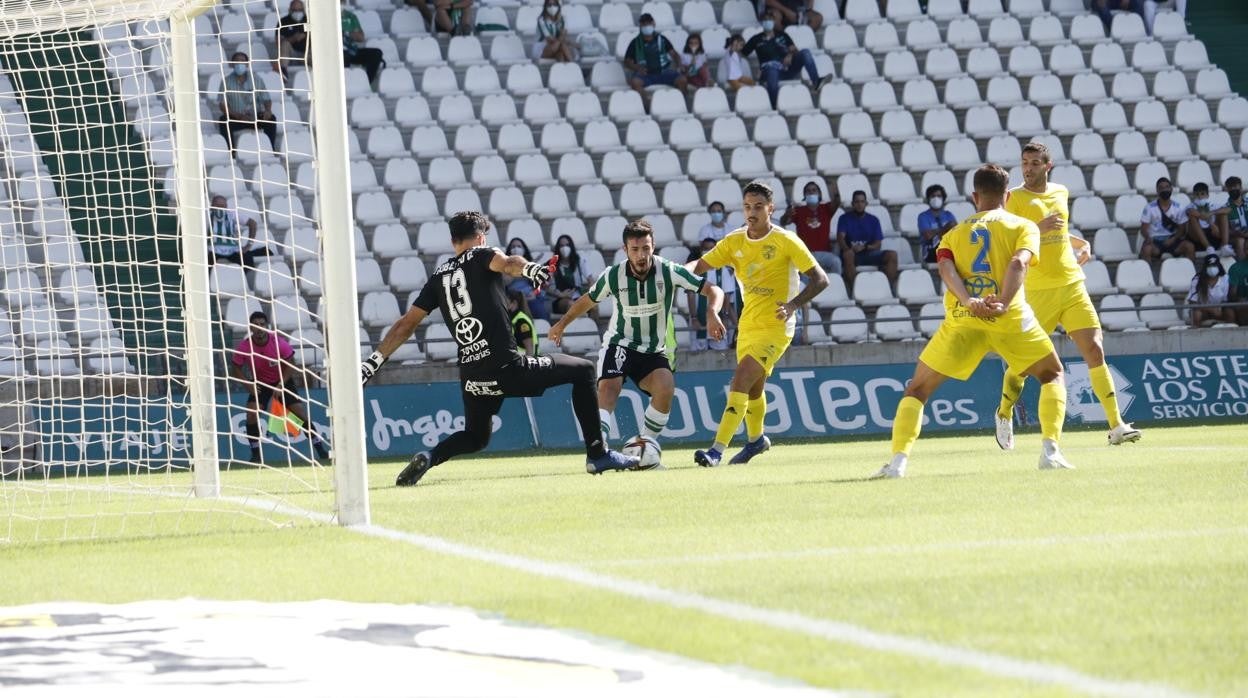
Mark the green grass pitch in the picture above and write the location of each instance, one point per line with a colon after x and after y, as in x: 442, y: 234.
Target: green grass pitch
x: 1132, y: 568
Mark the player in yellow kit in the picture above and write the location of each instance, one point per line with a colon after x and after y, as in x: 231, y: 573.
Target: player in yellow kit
x: 983, y: 262
x: 767, y: 260
x: 1056, y: 291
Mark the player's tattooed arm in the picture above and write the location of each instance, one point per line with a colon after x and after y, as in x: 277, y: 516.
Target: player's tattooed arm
x: 817, y: 280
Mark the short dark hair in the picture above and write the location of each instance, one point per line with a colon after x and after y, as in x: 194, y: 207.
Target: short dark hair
x: 639, y: 228
x: 465, y: 225
x: 991, y: 179
x: 645, y: 18
x: 1233, y: 180
x: 713, y: 204
x: 760, y: 188
x: 933, y: 190
x: 733, y: 38
x: 856, y: 194
x: 1200, y: 186
x: 256, y: 316
x: 1039, y: 148
x: 1160, y: 180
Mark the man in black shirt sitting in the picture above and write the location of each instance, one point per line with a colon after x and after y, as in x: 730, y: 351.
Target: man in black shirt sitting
x: 468, y: 289
x: 778, y: 57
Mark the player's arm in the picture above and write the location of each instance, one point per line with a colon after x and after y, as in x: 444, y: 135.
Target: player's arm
x: 399, y: 333
x: 578, y: 308
x: 1082, y: 248
x: 816, y: 281
x: 1015, y: 272
x: 691, y: 301
x: 949, y: 274
x: 714, y: 302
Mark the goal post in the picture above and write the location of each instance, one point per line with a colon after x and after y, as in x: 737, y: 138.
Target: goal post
x: 123, y: 306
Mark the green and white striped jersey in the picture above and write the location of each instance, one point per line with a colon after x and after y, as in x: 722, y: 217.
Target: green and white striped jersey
x: 643, y: 307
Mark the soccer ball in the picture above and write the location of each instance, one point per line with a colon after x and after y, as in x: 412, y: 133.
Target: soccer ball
x: 646, y: 450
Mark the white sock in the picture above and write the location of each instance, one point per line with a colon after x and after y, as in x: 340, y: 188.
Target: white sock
x: 608, y: 424
x: 654, y: 423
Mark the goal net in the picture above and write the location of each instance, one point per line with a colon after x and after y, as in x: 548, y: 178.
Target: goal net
x: 166, y: 211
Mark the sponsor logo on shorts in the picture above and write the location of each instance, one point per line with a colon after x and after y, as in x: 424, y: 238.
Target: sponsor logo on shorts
x: 482, y: 388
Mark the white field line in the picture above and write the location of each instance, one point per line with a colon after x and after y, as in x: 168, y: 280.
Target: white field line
x: 951, y: 546
x: 846, y: 633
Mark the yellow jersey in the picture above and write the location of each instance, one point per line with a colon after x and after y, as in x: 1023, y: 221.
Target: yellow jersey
x: 1057, y: 259
x: 767, y: 273
x: 982, y: 247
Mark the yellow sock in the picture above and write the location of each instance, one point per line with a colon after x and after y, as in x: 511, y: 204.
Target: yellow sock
x: 1052, y: 409
x: 1011, y: 390
x: 906, y: 424
x: 731, y: 421
x: 1103, y: 386
x: 755, y: 411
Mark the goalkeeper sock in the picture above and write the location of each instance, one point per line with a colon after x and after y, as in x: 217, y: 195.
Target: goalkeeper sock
x: 1052, y: 409
x: 755, y: 412
x: 906, y: 424
x: 734, y: 412
x: 656, y: 421
x: 253, y: 434
x: 1103, y: 386
x: 1011, y: 390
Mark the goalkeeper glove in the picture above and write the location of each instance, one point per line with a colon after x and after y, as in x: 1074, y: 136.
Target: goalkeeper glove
x: 371, y: 366
x: 537, y: 273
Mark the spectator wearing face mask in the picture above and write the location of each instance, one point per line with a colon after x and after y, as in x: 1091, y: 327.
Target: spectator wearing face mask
x: 934, y: 222
x: 1210, y: 287
x: 734, y: 69
x: 726, y: 280
x: 650, y: 59
x: 552, y: 35
x: 1235, y: 216
x: 1163, y: 226
x: 292, y: 40
x: 571, y: 278
x: 537, y: 306
x: 813, y: 221
x: 243, y: 107
x: 693, y: 61
x: 779, y: 58
x: 718, y: 227
x: 1204, y: 223
x: 1237, y: 276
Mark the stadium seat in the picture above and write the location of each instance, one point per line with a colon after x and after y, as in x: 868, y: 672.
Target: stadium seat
x: 725, y: 190
x: 770, y: 131
x: 1110, y: 179
x: 1169, y: 25
x: 1237, y: 167
x: 581, y: 337
x: 402, y: 174
x: 391, y: 240
x: 506, y: 203
x: 837, y: 97
x: 892, y: 322
x: 942, y: 64
x: 582, y: 107
x: 551, y: 201
x: 1112, y: 244
x: 1170, y: 85
x: 1191, y: 55
x: 686, y: 134
x: 834, y: 158
x: 1109, y: 59
x: 1129, y: 87
x: 524, y: 79
x: 898, y: 125
x: 748, y: 162
x: 1214, y: 144
x: 1158, y: 311
x: 982, y: 121
x: 1176, y: 275
x: 940, y: 124
x: 1193, y: 113
x: 734, y: 14
x: 599, y: 136
x: 565, y: 78
x: 918, y: 154
x: 540, y: 108
x: 871, y: 288
x: 507, y: 49
x: 1118, y: 313
x: 1045, y: 30
x: 960, y: 153
x: 1109, y: 117
x: 705, y: 164
x: 429, y: 142
x: 984, y: 62
x: 848, y: 325
x: 489, y: 171
x: 1087, y: 88
x: 1066, y: 59
x: 593, y: 200
x: 915, y: 287
x: 1005, y: 91
x: 711, y: 102
x: 1066, y: 118
x: 439, y: 346
x: 857, y: 127
x: 1005, y: 31
x: 1172, y: 145
x: 1045, y: 89
x: 896, y: 188
x: 291, y: 312
x: 1088, y: 212
x: 1131, y: 147
x: 1128, y: 28
x: 875, y: 157
x: 1135, y: 276
x: 1089, y: 149
x: 929, y: 318
x: 406, y: 22
x: 411, y: 111
x: 446, y: 173
x: 1146, y: 176
x: 1148, y: 57
x: 1024, y: 120
x: 1096, y: 279
x: 880, y: 37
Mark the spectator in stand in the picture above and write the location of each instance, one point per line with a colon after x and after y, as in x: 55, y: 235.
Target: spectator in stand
x: 934, y: 222
x: 354, y: 52
x: 861, y: 240
x: 796, y: 12
x: 552, y: 35
x: 571, y: 278
x: 243, y: 107
x: 1204, y: 223
x: 726, y: 280
x: 292, y: 40
x: 1105, y: 8
x: 778, y: 57
x: 1210, y: 287
x: 718, y: 227
x: 1164, y: 226
x: 650, y: 59
x: 1235, y: 216
x: 422, y: 6
x: 455, y: 17
x: 1238, y: 284
x: 693, y: 62
x: 225, y: 236
x: 521, y: 322
x: 813, y: 220
x: 536, y: 306
x: 734, y: 69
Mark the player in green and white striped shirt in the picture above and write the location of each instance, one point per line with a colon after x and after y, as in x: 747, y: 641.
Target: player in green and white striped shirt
x: 636, y: 341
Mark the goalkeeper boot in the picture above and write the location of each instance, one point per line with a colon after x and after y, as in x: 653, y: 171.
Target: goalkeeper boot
x: 416, y: 469
x: 1123, y: 434
x: 707, y: 459
x: 1051, y: 457
x: 1005, y: 431
x: 752, y: 448
x: 611, y: 460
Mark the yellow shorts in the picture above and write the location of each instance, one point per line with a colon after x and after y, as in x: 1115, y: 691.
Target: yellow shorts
x: 956, y: 350
x: 1069, y: 306
x: 765, y: 348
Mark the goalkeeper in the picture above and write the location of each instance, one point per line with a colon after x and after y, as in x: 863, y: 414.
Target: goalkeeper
x: 267, y: 357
